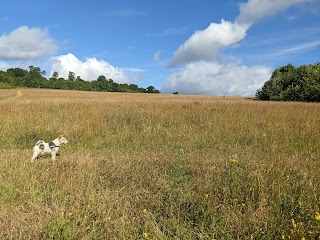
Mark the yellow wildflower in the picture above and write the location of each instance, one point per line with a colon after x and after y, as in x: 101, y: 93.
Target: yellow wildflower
x: 233, y: 161
x: 294, y: 225
x: 144, y: 210
x: 145, y: 235
x: 317, y: 217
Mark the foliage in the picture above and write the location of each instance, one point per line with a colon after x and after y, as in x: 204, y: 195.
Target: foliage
x: 34, y: 78
x: 289, y: 83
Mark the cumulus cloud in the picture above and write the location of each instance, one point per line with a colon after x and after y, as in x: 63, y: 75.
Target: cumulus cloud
x: 207, y: 44
x: 26, y: 43
x: 90, y: 69
x: 211, y: 78
x: 200, y: 54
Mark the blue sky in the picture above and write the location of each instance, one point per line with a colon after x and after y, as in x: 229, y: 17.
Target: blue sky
x: 222, y: 47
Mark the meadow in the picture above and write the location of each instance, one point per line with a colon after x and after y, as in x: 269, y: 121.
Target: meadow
x: 153, y: 166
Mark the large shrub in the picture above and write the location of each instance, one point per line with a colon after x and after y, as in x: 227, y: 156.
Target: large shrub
x: 289, y: 83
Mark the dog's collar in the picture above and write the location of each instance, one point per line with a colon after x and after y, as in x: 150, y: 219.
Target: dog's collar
x: 53, y: 145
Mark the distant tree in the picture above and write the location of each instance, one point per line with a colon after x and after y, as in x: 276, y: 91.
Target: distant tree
x: 36, y: 70
x: 71, y: 76
x: 102, y: 84
x: 55, y: 75
x: 34, y: 78
x: 288, y: 83
x: 134, y: 88
x: 152, y: 89
x: 7, y: 80
x: 17, y: 72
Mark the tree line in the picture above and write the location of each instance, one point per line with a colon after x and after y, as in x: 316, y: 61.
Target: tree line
x: 34, y: 78
x: 289, y: 83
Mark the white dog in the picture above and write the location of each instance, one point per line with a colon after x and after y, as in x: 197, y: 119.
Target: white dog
x: 42, y: 148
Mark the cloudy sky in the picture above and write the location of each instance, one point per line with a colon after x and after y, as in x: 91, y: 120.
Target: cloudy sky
x: 222, y: 47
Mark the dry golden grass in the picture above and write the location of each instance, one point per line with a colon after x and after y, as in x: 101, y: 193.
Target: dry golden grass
x: 158, y: 167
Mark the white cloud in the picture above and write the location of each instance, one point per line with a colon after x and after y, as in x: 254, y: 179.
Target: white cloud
x: 216, y: 79
x: 203, y: 75
x: 90, y: 69
x: 297, y: 49
x: 254, y: 10
x: 206, y: 44
x: 26, y: 43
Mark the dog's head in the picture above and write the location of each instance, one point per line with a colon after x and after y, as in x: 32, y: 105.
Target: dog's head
x: 62, y: 139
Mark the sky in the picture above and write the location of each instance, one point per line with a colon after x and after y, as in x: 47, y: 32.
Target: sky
x: 207, y: 47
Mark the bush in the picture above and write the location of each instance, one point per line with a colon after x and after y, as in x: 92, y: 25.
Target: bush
x: 5, y: 86
x: 288, y: 83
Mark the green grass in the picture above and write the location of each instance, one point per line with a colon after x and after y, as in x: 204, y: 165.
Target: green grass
x: 158, y: 167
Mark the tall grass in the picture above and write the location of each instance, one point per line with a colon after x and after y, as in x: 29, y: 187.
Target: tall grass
x: 141, y: 166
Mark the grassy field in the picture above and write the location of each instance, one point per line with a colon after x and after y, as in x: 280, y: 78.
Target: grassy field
x: 143, y: 166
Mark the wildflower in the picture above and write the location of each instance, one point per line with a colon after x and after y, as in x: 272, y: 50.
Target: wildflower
x: 233, y: 161
x: 317, y: 217
x: 206, y: 196
x: 145, y: 235
x: 181, y: 150
x: 243, y: 205
x: 294, y: 225
x: 144, y: 210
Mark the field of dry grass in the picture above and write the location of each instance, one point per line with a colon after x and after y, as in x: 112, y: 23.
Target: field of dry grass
x: 143, y: 166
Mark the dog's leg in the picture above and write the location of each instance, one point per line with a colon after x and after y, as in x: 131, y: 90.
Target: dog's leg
x: 34, y: 156
x: 53, y: 155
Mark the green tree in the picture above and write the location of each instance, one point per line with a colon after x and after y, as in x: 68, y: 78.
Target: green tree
x: 288, y: 83
x: 36, y: 70
x: 17, y: 72
x: 71, y: 76
x: 55, y: 76
x: 152, y: 89
x: 34, y: 78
